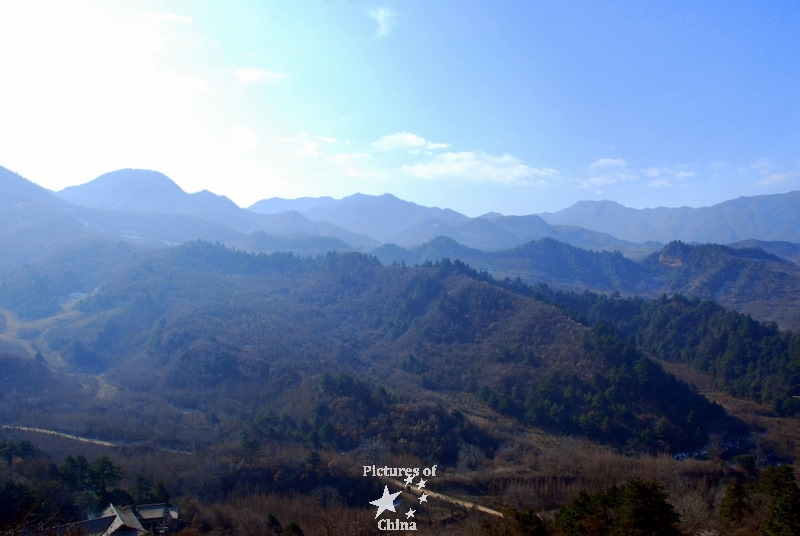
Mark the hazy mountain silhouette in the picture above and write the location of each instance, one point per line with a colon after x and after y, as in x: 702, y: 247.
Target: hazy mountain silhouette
x: 385, y: 218
x: 148, y: 192
x: 365, y: 221
x: 763, y: 217
x: 388, y: 219
x: 278, y: 205
x: 146, y: 208
x: 15, y: 190
x: 131, y: 190
x: 33, y: 221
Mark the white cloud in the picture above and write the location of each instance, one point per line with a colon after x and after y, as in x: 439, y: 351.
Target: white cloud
x: 763, y: 165
x: 652, y: 172
x: 608, y: 171
x: 625, y: 176
x: 775, y: 178
x: 248, y: 76
x: 608, y: 162
x: 399, y: 140
x: 432, y: 146
x: 385, y: 17
x: 304, y: 144
x: 769, y: 175
x: 601, y: 180
x: 406, y: 140
x: 661, y: 183
x: 476, y: 166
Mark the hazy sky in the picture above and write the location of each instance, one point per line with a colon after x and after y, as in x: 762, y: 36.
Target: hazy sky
x: 513, y: 106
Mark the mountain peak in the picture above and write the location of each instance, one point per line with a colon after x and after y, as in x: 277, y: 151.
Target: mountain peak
x: 137, y: 178
x: 491, y: 215
x: 130, y: 190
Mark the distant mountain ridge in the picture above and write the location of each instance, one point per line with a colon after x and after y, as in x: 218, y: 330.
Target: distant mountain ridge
x: 588, y: 224
x: 390, y: 220
x: 16, y: 190
x: 364, y: 222
x: 385, y: 216
x: 387, y: 219
x: 359, y: 221
x: 765, y: 217
x: 146, y: 208
x: 146, y: 192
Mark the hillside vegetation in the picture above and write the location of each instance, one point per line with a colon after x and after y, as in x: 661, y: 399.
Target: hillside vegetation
x: 746, y: 279
x: 281, y: 375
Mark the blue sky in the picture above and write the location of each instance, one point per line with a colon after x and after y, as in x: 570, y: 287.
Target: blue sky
x: 515, y: 107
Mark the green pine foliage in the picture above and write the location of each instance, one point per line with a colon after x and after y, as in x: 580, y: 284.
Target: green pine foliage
x: 735, y: 506
x: 777, y: 491
x: 749, y: 359
x: 768, y: 504
x: 632, y: 403
x: 48, y: 495
x: 347, y: 411
x: 637, y: 508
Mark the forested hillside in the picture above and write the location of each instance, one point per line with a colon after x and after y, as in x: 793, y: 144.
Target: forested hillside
x: 747, y: 358
x: 236, y: 358
x: 746, y: 279
x: 219, y: 329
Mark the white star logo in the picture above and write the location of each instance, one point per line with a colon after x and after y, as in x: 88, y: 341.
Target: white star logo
x: 422, y: 498
x: 421, y: 484
x: 409, y: 480
x: 410, y: 513
x: 386, y: 502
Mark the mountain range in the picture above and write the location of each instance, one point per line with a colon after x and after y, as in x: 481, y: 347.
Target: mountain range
x: 573, y: 248
x: 364, y: 222
x: 763, y: 217
x: 232, y: 353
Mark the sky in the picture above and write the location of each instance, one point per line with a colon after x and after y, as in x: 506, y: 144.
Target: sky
x: 516, y: 107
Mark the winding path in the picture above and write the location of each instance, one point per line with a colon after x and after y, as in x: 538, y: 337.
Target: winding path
x: 453, y: 500
x: 87, y: 439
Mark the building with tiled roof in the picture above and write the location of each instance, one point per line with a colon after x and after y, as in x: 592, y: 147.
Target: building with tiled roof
x: 141, y: 520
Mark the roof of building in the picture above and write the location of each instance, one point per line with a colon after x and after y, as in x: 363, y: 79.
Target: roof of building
x: 91, y: 527
x: 122, y: 521
x: 151, y: 511
x: 125, y: 524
